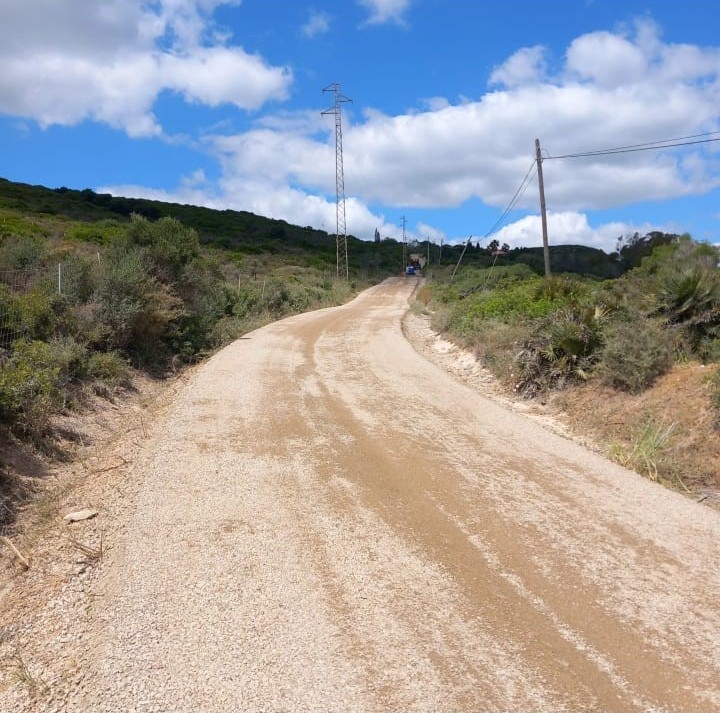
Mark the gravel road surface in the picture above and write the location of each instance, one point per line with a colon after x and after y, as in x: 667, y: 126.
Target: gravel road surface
x: 328, y: 522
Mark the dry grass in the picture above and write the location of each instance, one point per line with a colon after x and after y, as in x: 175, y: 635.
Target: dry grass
x: 648, y: 449
x: 24, y: 675
x: 496, y: 346
x: 666, y: 432
x: 440, y: 320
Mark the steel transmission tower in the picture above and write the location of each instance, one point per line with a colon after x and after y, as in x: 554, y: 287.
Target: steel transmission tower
x: 340, y: 225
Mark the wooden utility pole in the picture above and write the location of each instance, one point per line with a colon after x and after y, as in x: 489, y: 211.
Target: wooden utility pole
x: 543, y: 214
x: 405, y: 262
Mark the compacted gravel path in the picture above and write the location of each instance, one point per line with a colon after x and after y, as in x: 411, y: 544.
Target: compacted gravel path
x: 328, y: 522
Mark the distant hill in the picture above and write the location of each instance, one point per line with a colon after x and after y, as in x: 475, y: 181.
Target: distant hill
x: 229, y: 228
x: 580, y: 259
x: 252, y: 234
x: 233, y: 230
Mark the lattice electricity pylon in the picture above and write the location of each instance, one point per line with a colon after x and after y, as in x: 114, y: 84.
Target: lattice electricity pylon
x: 340, y: 224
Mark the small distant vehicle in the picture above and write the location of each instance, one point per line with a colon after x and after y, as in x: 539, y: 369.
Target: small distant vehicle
x: 410, y: 270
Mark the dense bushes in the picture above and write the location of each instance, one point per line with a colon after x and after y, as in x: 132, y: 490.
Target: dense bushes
x: 561, y: 349
x: 635, y: 353
x: 103, y: 232
x: 30, y: 386
x: 110, y: 368
x: 38, y: 379
x: 514, y: 297
x: 136, y: 310
x: 547, y: 333
x: 21, y: 252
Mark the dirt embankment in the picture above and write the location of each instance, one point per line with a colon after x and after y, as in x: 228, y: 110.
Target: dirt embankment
x: 678, y: 405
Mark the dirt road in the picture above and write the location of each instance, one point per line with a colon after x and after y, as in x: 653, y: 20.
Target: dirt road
x: 330, y: 523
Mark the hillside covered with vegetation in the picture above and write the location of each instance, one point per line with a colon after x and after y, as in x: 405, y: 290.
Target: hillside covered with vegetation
x: 252, y: 239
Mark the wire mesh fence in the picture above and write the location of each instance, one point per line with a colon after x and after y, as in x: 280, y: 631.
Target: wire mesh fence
x: 68, y: 279
x: 13, y: 284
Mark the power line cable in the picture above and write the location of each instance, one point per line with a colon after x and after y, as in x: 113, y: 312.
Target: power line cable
x: 513, y: 201
x: 518, y: 194
x: 647, y: 146
x: 503, y: 216
x: 661, y: 141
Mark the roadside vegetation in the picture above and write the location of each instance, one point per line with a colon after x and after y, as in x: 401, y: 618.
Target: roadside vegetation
x: 90, y: 297
x: 75, y: 314
x: 569, y: 334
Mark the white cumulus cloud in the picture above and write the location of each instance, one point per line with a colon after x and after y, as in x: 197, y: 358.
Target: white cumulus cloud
x: 568, y: 228
x: 109, y: 61
x: 526, y: 66
x: 607, y: 60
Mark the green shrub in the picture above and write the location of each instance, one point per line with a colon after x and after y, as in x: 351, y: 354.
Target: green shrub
x: 10, y: 319
x: 302, y: 297
x: 77, y: 279
x: 102, y: 232
x: 510, y: 303
x: 14, y: 225
x: 246, y: 299
x: 690, y: 293
x: 109, y: 367
x: 70, y: 357
x: 37, y: 312
x: 276, y: 296
x: 562, y: 349
x: 686, y: 282
x: 30, y: 387
x: 709, y: 348
x: 227, y: 329
x: 561, y: 288
x: 169, y: 244
x: 21, y: 252
x: 121, y: 294
x: 206, y: 298
x: 138, y: 312
x: 471, y: 279
x: 83, y: 323
x: 635, y: 354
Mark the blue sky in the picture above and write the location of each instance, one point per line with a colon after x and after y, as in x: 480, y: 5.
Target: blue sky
x: 218, y: 103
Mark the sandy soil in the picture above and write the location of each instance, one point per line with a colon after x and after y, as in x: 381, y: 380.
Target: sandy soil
x: 324, y: 520
x: 678, y: 401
